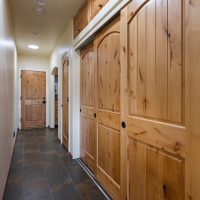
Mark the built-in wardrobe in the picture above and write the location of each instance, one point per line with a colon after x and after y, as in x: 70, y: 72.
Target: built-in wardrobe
x: 138, y: 122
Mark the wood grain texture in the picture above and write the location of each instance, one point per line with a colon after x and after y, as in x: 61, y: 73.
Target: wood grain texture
x: 153, y: 174
x: 82, y: 18
x: 96, y: 6
x: 155, y: 61
x: 152, y: 100
x: 88, y: 132
x: 107, y: 48
x: 192, y: 67
x: 65, y: 100
x: 33, y: 87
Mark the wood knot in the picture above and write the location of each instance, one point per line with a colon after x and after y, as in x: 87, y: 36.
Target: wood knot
x: 165, y: 190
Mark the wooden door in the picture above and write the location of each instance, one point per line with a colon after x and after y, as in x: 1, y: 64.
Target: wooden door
x: 107, y: 49
x: 65, y: 100
x: 96, y: 6
x: 152, y: 100
x: 33, y: 100
x: 192, y: 66
x: 82, y: 18
x: 88, y: 138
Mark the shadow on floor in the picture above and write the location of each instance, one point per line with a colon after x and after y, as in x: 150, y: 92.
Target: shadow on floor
x: 41, y: 169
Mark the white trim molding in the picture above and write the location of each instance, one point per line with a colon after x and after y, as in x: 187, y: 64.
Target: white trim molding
x: 106, y: 13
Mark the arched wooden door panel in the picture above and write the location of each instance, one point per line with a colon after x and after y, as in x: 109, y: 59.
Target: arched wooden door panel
x: 152, y: 100
x: 65, y: 100
x: 88, y: 139
x: 107, y: 48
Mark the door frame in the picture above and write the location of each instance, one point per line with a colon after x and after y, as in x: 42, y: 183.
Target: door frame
x: 69, y: 93
x: 20, y: 92
x: 52, y: 106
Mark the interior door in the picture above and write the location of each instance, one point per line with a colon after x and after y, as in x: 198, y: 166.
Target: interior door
x: 152, y: 100
x: 65, y: 100
x: 107, y: 49
x: 33, y: 99
x: 88, y: 138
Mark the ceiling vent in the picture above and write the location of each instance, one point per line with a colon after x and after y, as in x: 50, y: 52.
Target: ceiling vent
x: 41, y: 2
x: 40, y: 10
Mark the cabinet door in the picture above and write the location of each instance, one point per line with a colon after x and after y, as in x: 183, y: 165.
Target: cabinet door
x: 152, y: 88
x: 96, y: 6
x: 107, y: 48
x: 82, y: 18
x: 88, y: 142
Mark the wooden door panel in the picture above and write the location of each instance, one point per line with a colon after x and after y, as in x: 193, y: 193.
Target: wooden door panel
x: 109, y: 152
x: 33, y: 99
x: 155, y: 71
x: 82, y: 18
x: 96, y: 6
x: 152, y: 100
x: 107, y: 47
x: 65, y: 100
x: 88, y: 132
x: 88, y: 141
x: 155, y: 78
x: 65, y: 125
x: 108, y: 73
x: 154, y: 174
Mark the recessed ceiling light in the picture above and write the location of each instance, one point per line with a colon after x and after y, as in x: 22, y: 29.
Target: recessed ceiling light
x: 33, y: 46
x: 41, y: 2
x: 40, y: 10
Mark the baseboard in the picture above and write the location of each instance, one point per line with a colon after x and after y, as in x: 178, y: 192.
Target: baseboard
x: 4, y: 190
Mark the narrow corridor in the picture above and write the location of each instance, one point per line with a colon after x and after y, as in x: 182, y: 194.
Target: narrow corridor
x: 41, y: 169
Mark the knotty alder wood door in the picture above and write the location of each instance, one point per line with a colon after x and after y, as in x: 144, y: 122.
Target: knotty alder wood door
x: 96, y: 6
x: 107, y: 51
x: 65, y: 100
x: 152, y: 100
x: 33, y: 101
x: 88, y: 136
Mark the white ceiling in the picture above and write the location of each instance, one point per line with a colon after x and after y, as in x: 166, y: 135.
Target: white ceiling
x: 50, y: 26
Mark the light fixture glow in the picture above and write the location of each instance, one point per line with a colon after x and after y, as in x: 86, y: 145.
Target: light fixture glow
x: 33, y: 46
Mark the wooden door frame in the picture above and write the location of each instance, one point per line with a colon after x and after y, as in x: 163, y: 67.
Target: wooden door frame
x: 20, y: 92
x: 69, y: 93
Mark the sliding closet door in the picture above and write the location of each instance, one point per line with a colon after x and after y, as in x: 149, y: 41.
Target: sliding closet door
x: 152, y: 100
x: 107, y: 49
x: 88, y: 142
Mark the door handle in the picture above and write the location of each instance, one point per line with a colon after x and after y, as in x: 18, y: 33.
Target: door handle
x: 44, y: 101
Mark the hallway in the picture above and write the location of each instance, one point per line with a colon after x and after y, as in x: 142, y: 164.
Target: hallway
x: 40, y: 170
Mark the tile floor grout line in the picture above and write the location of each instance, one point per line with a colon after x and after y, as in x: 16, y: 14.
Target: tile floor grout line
x: 69, y: 175
x: 45, y: 172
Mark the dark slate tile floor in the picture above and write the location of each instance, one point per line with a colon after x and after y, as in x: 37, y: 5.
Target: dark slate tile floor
x: 41, y: 169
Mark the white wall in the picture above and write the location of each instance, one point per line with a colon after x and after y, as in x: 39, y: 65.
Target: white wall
x: 8, y: 92
x: 34, y: 63
x: 64, y: 45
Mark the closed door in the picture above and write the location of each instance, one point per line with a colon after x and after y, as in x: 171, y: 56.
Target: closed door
x: 107, y: 47
x: 88, y: 137
x: 152, y: 101
x: 65, y: 100
x: 33, y: 99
